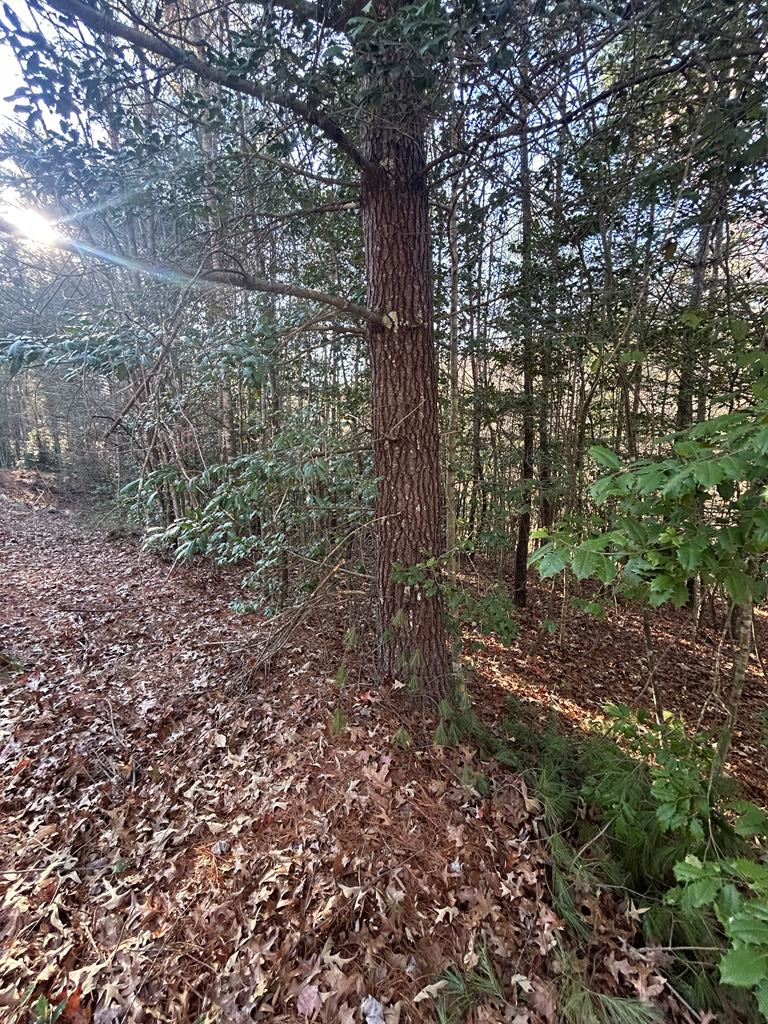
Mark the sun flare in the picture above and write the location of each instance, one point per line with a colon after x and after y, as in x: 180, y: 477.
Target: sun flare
x: 32, y: 225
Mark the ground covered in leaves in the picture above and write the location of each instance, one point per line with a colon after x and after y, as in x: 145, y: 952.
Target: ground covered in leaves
x: 576, y: 665
x: 195, y: 831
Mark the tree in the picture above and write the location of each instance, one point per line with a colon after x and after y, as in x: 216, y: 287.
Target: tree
x: 286, y: 152
x: 392, y: 163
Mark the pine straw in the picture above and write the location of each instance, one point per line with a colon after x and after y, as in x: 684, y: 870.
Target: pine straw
x: 177, y: 847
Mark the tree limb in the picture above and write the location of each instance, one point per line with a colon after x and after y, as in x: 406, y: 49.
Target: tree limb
x: 104, y: 25
x: 210, y: 278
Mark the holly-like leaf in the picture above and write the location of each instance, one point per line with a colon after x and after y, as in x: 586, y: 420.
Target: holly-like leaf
x: 550, y: 560
x: 744, y: 967
x: 604, y: 456
x: 739, y: 586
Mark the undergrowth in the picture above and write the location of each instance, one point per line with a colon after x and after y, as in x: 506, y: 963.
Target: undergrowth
x: 634, y: 811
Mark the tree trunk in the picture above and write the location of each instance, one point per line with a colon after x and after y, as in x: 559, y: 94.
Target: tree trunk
x: 740, y: 667
x: 686, y: 388
x: 453, y: 413
x: 477, y: 499
x: 529, y: 413
x: 405, y: 423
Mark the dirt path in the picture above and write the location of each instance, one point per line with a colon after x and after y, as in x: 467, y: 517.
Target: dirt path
x: 177, y: 847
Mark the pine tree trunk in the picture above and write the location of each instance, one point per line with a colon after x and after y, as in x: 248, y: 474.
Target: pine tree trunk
x: 405, y: 423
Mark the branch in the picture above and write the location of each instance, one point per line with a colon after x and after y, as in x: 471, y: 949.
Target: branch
x: 104, y: 25
x: 309, y: 211
x: 211, y: 278
x: 321, y: 13
x: 622, y: 85
x: 286, y: 165
x: 237, y: 279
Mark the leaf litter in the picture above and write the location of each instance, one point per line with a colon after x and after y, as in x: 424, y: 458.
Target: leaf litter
x: 185, y: 842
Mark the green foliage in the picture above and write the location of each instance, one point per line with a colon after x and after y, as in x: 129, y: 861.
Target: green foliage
x: 337, y: 723
x: 402, y: 738
x: 579, y: 1004
x: 633, y: 808
x: 700, y: 511
x: 46, y: 1012
x: 737, y: 890
x: 491, y: 613
x: 264, y: 510
x: 463, y: 991
x: 587, y: 1007
x: 676, y: 766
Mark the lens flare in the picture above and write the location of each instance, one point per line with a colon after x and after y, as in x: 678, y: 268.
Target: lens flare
x: 32, y: 225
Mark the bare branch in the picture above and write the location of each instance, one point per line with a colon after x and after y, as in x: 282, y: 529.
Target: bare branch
x: 211, y: 279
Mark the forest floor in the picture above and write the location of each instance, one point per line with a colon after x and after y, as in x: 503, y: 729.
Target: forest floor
x: 189, y: 825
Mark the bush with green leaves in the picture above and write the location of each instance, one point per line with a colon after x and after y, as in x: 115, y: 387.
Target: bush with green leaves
x: 737, y: 890
x: 699, y: 511
x: 625, y: 808
x: 491, y: 613
x: 666, y: 820
x: 283, y: 505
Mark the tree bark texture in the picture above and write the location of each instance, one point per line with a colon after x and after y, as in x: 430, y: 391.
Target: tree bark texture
x: 405, y: 419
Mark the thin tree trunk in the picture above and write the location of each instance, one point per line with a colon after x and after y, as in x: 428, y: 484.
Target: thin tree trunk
x: 451, y: 535
x: 687, y: 381
x: 529, y: 413
x: 740, y: 665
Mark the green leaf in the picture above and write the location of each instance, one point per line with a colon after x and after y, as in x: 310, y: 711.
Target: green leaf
x: 635, y: 569
x: 636, y: 355
x: 550, y: 560
x: 650, y: 479
x: 749, y: 928
x: 739, y: 586
x: 739, y: 330
x: 752, y: 821
x: 604, y: 457
x: 744, y: 967
x: 756, y: 874
x: 587, y: 562
x: 700, y: 893
x: 692, y: 317
x: 689, y: 870
x: 735, y: 468
x: 662, y: 589
x: 590, y: 607
x: 708, y: 473
x: 689, y: 554
x: 761, y: 994
x: 602, y: 489
x: 730, y: 901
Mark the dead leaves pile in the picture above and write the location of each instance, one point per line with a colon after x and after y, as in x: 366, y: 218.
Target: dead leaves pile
x: 176, y: 849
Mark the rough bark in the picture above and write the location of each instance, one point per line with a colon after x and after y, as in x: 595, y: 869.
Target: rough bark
x: 405, y: 421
